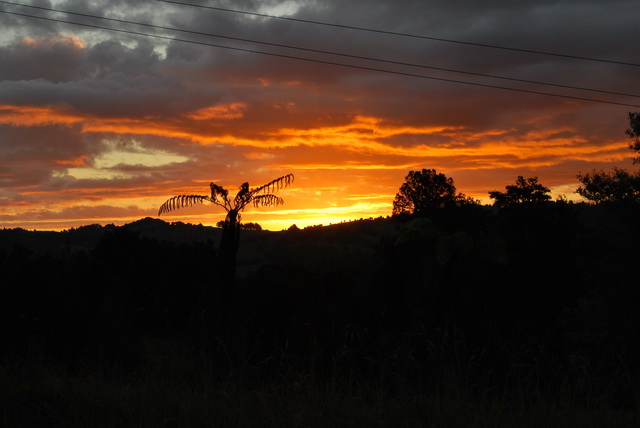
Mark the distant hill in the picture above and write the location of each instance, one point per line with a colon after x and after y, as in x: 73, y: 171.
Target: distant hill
x: 86, y: 237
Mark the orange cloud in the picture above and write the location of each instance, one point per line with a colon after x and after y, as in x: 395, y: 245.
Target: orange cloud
x: 67, y: 39
x: 344, y: 166
x: 219, y: 112
x: 78, y: 162
x: 363, y: 135
x: 37, y: 116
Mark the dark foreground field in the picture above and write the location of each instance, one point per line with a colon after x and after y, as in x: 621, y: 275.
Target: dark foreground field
x: 159, y: 400
x: 471, y: 317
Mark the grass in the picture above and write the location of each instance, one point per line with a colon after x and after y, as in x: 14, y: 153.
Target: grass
x: 155, y: 398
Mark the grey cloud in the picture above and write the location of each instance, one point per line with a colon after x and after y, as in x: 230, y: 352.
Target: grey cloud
x: 40, y: 142
x: 115, y: 96
x: 62, y: 59
x: 55, y: 60
x: 531, y: 26
x: 110, y: 56
x: 30, y: 156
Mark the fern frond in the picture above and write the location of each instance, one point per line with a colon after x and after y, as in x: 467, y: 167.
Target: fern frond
x: 268, y: 200
x: 218, y: 190
x: 243, y: 193
x: 274, y: 185
x: 181, y: 201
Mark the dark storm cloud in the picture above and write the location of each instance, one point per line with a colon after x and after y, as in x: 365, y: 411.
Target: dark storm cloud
x: 578, y: 28
x: 29, y: 156
x: 107, y: 78
x: 547, y: 24
x: 55, y: 60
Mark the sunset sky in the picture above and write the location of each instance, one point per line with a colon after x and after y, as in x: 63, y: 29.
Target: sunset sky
x: 103, y: 126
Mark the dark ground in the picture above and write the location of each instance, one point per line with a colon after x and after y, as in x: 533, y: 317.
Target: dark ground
x: 476, y: 313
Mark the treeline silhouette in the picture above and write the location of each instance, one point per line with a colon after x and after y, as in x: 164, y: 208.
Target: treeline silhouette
x: 539, y: 299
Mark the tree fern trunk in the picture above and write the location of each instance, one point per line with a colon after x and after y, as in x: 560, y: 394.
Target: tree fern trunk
x: 215, y: 307
x: 228, y: 255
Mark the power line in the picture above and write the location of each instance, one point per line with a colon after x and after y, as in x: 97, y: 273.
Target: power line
x: 318, y: 61
x: 449, y: 70
x: 329, y: 52
x: 394, y: 33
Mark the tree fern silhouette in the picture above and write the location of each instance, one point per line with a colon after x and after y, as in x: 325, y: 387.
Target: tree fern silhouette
x: 261, y: 196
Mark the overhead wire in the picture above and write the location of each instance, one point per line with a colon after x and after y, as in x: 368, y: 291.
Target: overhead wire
x: 313, y: 60
x: 351, y: 56
x: 394, y: 33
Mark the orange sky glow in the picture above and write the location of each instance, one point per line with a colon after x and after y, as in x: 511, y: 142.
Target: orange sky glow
x: 102, y: 127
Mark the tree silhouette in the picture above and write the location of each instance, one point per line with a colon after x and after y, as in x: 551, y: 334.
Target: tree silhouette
x: 619, y: 185
x: 261, y: 196
x: 525, y: 191
x: 634, y: 133
x: 424, y: 191
x: 243, y: 226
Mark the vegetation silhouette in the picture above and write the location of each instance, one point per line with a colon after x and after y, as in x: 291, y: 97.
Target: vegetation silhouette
x: 243, y: 226
x: 617, y: 186
x: 526, y: 191
x: 260, y: 196
x: 424, y: 191
x: 504, y: 307
x: 634, y: 133
x: 500, y: 296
